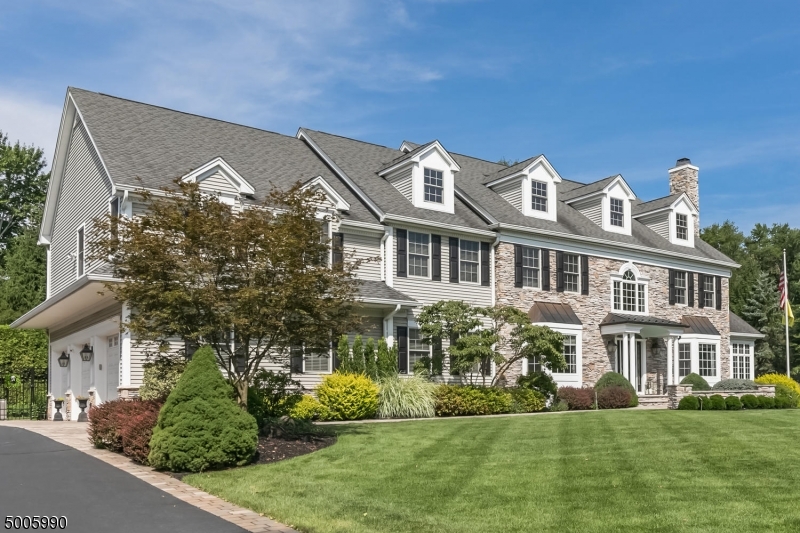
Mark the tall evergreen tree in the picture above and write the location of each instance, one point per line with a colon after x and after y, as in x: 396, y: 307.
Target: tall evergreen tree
x: 23, y: 277
x: 761, y: 311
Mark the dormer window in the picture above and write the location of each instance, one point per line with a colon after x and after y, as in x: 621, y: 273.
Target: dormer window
x: 682, y: 226
x: 434, y: 186
x: 617, y: 213
x: 538, y: 196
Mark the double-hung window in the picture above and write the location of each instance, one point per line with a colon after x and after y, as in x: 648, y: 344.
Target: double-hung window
x: 617, y: 212
x: 707, y: 360
x: 534, y: 364
x: 470, y: 261
x: 572, y: 272
x: 418, y: 253
x: 530, y: 267
x: 80, y: 256
x: 571, y: 354
x: 708, y: 291
x: 538, y: 196
x: 682, y: 226
x: 316, y: 362
x: 629, y: 294
x: 684, y: 359
x: 434, y: 186
x: 680, y: 287
x: 741, y: 360
x: 417, y: 350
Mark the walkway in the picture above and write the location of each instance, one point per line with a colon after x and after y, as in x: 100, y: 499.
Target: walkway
x: 63, y: 475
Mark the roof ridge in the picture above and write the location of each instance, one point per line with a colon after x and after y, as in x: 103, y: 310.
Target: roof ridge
x: 354, y: 140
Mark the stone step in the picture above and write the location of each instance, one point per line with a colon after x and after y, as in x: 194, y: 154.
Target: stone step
x: 653, y: 401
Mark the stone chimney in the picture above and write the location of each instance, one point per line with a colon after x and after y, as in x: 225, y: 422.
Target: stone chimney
x: 684, y: 179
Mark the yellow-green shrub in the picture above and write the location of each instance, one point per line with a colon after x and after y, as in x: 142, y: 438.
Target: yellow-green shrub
x: 348, y: 396
x: 308, y: 408
x: 779, y: 379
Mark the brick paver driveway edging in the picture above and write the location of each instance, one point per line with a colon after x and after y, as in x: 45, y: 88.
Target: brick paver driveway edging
x: 73, y: 434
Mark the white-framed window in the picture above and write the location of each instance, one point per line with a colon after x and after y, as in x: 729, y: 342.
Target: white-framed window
x: 469, y: 264
x: 684, y: 359
x: 316, y: 362
x: 742, y: 360
x: 534, y: 364
x: 418, y: 254
x: 572, y: 273
x: 707, y: 359
x: 530, y: 267
x: 708, y: 291
x: 681, y: 226
x: 570, y: 354
x: 434, y: 186
x: 680, y: 287
x: 617, y: 212
x: 572, y: 335
x: 630, y: 295
x: 538, y: 196
x: 80, y: 255
x: 416, y: 348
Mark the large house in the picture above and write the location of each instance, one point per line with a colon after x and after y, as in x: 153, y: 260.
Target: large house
x: 628, y: 282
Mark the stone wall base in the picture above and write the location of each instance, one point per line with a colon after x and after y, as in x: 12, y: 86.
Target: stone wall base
x: 676, y: 393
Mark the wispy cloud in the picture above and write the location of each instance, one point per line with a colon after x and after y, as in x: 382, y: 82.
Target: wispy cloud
x: 29, y: 121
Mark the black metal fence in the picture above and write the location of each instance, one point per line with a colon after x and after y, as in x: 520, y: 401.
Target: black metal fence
x: 23, y: 396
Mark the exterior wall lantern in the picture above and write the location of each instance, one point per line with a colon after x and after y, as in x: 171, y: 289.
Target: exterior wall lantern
x: 86, y: 353
x: 63, y: 361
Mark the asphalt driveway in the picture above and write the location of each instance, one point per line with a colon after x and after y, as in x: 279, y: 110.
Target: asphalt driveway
x: 39, y: 476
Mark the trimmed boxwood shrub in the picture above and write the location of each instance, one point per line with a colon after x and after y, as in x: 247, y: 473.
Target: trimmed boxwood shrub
x: 735, y: 384
x: 541, y: 382
x: 782, y: 402
x: 577, y: 398
x: 765, y: 402
x: 348, y: 396
x: 697, y: 382
x: 689, y: 403
x: 613, y: 397
x: 200, y: 426
x: 716, y: 402
x: 526, y: 400
x: 750, y: 401
x: 733, y: 403
x: 610, y: 379
x: 458, y: 400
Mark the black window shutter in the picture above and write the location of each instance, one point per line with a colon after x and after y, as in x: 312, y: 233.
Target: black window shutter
x: 402, y: 255
x: 453, y: 260
x: 701, y: 290
x: 337, y: 249
x: 485, y: 264
x: 402, y: 349
x: 584, y: 274
x: 559, y: 271
x: 518, y: 265
x: 545, y: 259
x: 690, y: 289
x: 718, y: 291
x: 436, y: 257
x: 296, y: 359
x: 671, y: 287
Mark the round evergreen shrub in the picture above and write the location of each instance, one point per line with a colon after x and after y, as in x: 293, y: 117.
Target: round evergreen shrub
x: 348, y: 396
x: 716, y: 402
x: 200, y: 426
x: 577, y: 398
x: 735, y: 384
x: 697, y: 382
x: 616, y: 379
x: 765, y: 402
x: 308, y: 408
x: 526, y: 400
x: 750, y: 401
x: 782, y: 402
x: 787, y: 393
x: 541, y: 382
x: 613, y: 397
x: 733, y: 403
x: 689, y: 403
x: 780, y: 379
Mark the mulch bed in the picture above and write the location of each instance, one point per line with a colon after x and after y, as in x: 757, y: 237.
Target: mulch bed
x: 271, y: 450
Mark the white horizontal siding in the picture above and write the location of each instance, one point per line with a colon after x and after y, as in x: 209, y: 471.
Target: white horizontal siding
x: 402, y: 182
x: 592, y: 209
x: 365, y: 247
x: 511, y: 193
x: 218, y: 183
x: 85, y: 191
x: 658, y: 223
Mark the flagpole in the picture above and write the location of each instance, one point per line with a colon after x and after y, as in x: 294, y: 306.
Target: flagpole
x: 786, y: 311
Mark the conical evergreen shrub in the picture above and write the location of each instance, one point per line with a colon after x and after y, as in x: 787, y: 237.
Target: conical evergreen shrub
x: 200, y: 426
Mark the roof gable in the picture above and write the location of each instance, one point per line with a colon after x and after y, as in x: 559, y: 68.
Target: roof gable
x: 336, y: 199
x: 219, y: 167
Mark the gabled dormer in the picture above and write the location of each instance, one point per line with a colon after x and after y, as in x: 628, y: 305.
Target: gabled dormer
x: 607, y: 203
x: 425, y: 175
x: 530, y: 186
x: 219, y: 177
x: 332, y: 199
x: 673, y: 217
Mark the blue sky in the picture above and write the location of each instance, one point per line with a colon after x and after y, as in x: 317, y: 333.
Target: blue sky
x: 599, y: 87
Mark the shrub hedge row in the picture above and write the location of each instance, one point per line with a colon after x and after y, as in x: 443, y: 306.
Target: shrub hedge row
x: 717, y: 402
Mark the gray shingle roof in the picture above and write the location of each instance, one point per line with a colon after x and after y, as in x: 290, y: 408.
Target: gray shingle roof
x: 405, y: 156
x: 157, y: 145
x: 659, y: 203
x: 738, y: 325
x: 507, y: 171
x: 378, y: 290
x: 595, y: 186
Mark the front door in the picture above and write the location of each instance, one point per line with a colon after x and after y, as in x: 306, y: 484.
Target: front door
x: 112, y: 368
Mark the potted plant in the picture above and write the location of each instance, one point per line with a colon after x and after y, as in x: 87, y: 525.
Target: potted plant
x: 82, y: 403
x: 58, y: 403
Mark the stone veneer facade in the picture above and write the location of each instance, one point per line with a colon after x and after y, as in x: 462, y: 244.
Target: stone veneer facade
x: 685, y: 178
x: 592, y: 309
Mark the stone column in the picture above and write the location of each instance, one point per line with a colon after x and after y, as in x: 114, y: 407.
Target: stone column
x: 625, y: 353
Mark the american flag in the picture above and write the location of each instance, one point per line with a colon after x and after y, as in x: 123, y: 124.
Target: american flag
x: 782, y: 289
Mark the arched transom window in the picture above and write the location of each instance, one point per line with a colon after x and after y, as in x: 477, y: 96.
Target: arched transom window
x: 630, y: 294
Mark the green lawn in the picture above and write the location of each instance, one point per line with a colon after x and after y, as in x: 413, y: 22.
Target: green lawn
x: 592, y: 471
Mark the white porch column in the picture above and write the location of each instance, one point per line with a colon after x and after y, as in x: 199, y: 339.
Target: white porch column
x: 633, y: 367
x: 670, y: 341
x: 625, y: 355
x: 125, y: 350
x: 675, y: 359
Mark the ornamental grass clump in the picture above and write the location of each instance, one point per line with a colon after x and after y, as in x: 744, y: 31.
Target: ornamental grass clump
x: 780, y: 379
x: 200, y: 426
x: 411, y: 397
x: 610, y: 379
x: 697, y: 382
x: 348, y: 396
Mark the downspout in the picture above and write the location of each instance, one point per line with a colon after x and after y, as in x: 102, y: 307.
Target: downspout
x: 388, y: 325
